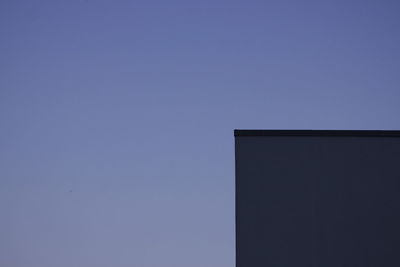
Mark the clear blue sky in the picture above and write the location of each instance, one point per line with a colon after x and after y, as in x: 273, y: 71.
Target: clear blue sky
x: 117, y: 117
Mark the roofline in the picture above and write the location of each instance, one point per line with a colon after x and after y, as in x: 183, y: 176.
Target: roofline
x: 326, y: 133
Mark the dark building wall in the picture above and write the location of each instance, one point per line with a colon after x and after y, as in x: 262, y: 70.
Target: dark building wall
x: 317, y: 199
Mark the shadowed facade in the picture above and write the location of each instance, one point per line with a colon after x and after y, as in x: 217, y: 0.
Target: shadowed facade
x: 317, y: 198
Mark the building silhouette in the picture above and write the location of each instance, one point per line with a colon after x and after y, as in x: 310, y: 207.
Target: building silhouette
x: 317, y: 198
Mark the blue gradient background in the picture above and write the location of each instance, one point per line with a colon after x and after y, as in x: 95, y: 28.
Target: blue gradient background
x: 117, y: 117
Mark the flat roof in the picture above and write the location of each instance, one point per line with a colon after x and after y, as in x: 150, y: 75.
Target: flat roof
x: 328, y: 133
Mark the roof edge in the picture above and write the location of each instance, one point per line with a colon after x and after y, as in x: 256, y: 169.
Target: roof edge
x: 328, y: 133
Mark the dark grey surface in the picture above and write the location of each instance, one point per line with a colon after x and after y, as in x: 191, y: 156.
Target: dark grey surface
x: 320, y: 133
x: 317, y: 201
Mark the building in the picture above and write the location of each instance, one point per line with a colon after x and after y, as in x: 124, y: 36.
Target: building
x: 317, y: 198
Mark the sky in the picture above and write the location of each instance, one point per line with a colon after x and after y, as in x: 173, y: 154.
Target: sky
x: 117, y: 117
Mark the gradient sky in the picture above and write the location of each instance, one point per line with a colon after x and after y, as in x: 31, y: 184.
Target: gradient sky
x: 117, y: 117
